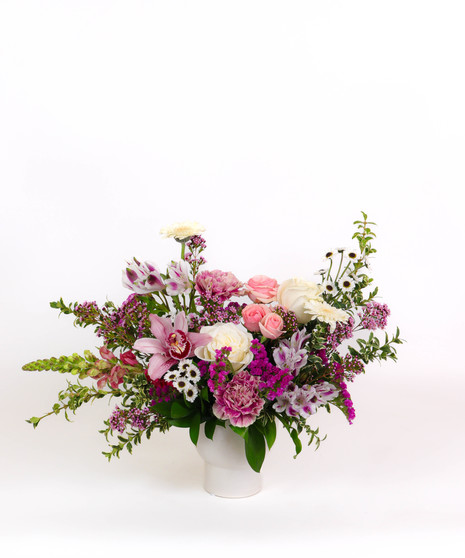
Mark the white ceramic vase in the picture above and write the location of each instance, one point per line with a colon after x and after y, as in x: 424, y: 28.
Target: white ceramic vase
x: 227, y: 472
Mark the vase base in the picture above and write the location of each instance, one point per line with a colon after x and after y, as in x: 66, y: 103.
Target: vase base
x: 231, y: 483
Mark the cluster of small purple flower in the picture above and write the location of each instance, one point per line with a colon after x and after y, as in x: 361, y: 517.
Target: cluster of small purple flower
x: 87, y: 313
x: 214, y: 313
x: 273, y: 380
x: 136, y: 418
x: 125, y: 324
x: 338, y: 371
x: 341, y: 332
x: 290, y: 323
x: 218, y: 370
x: 352, y: 367
x: 374, y: 315
x: 195, y: 245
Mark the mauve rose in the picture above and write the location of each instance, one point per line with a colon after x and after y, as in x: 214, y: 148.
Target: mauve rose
x: 239, y: 400
x: 253, y: 314
x: 271, y: 326
x: 261, y: 288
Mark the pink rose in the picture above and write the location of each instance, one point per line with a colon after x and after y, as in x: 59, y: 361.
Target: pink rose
x: 253, y: 315
x: 262, y: 288
x: 271, y: 325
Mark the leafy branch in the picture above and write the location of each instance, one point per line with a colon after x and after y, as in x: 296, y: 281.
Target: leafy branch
x: 72, y: 398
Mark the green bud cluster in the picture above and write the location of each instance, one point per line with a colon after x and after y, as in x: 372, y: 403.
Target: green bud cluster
x: 74, y: 364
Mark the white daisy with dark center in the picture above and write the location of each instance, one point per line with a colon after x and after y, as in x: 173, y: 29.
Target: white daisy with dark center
x: 347, y: 284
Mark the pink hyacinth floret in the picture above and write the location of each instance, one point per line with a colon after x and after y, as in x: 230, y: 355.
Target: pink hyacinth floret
x: 171, y: 343
x: 239, y: 401
x: 217, y: 285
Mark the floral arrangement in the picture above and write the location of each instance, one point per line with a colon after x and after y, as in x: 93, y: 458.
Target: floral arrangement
x: 199, y: 348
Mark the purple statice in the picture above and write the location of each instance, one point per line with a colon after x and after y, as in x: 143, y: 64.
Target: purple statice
x: 136, y: 418
x: 122, y: 326
x: 374, y: 315
x: 341, y: 332
x: 290, y: 353
x: 212, y: 313
x: 304, y: 401
x: 338, y: 375
x: 218, y: 370
x: 274, y: 380
x: 218, y: 286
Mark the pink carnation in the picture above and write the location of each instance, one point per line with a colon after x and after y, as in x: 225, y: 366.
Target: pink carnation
x: 218, y: 285
x: 261, y: 288
x: 239, y: 401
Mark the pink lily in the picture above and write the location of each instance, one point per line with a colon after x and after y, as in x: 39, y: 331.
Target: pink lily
x: 172, y: 343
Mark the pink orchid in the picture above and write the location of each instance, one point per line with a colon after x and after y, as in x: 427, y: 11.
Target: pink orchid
x: 172, y: 343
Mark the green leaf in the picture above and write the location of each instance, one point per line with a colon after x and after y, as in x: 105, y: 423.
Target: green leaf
x: 195, y: 428
x: 163, y: 408
x: 297, y: 442
x: 255, y: 448
x: 270, y: 433
x: 241, y: 430
x: 179, y: 410
x: 183, y: 422
x: 210, y: 426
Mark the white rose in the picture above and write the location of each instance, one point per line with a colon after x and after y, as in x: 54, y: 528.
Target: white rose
x: 183, y: 230
x: 227, y: 335
x: 295, y: 293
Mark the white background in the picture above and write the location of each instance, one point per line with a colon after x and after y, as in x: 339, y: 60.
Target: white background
x: 274, y: 124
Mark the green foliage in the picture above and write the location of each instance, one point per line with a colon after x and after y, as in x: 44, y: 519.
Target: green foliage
x: 373, y: 349
x: 72, y: 398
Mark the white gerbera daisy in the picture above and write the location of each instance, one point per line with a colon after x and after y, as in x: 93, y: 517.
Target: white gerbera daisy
x: 324, y: 312
x: 182, y: 231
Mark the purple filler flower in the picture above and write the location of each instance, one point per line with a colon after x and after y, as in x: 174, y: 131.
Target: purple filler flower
x: 217, y: 285
x: 142, y: 278
x: 171, y: 345
x: 239, y: 400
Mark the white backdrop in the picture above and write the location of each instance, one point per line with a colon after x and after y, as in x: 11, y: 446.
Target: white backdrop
x: 273, y: 124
